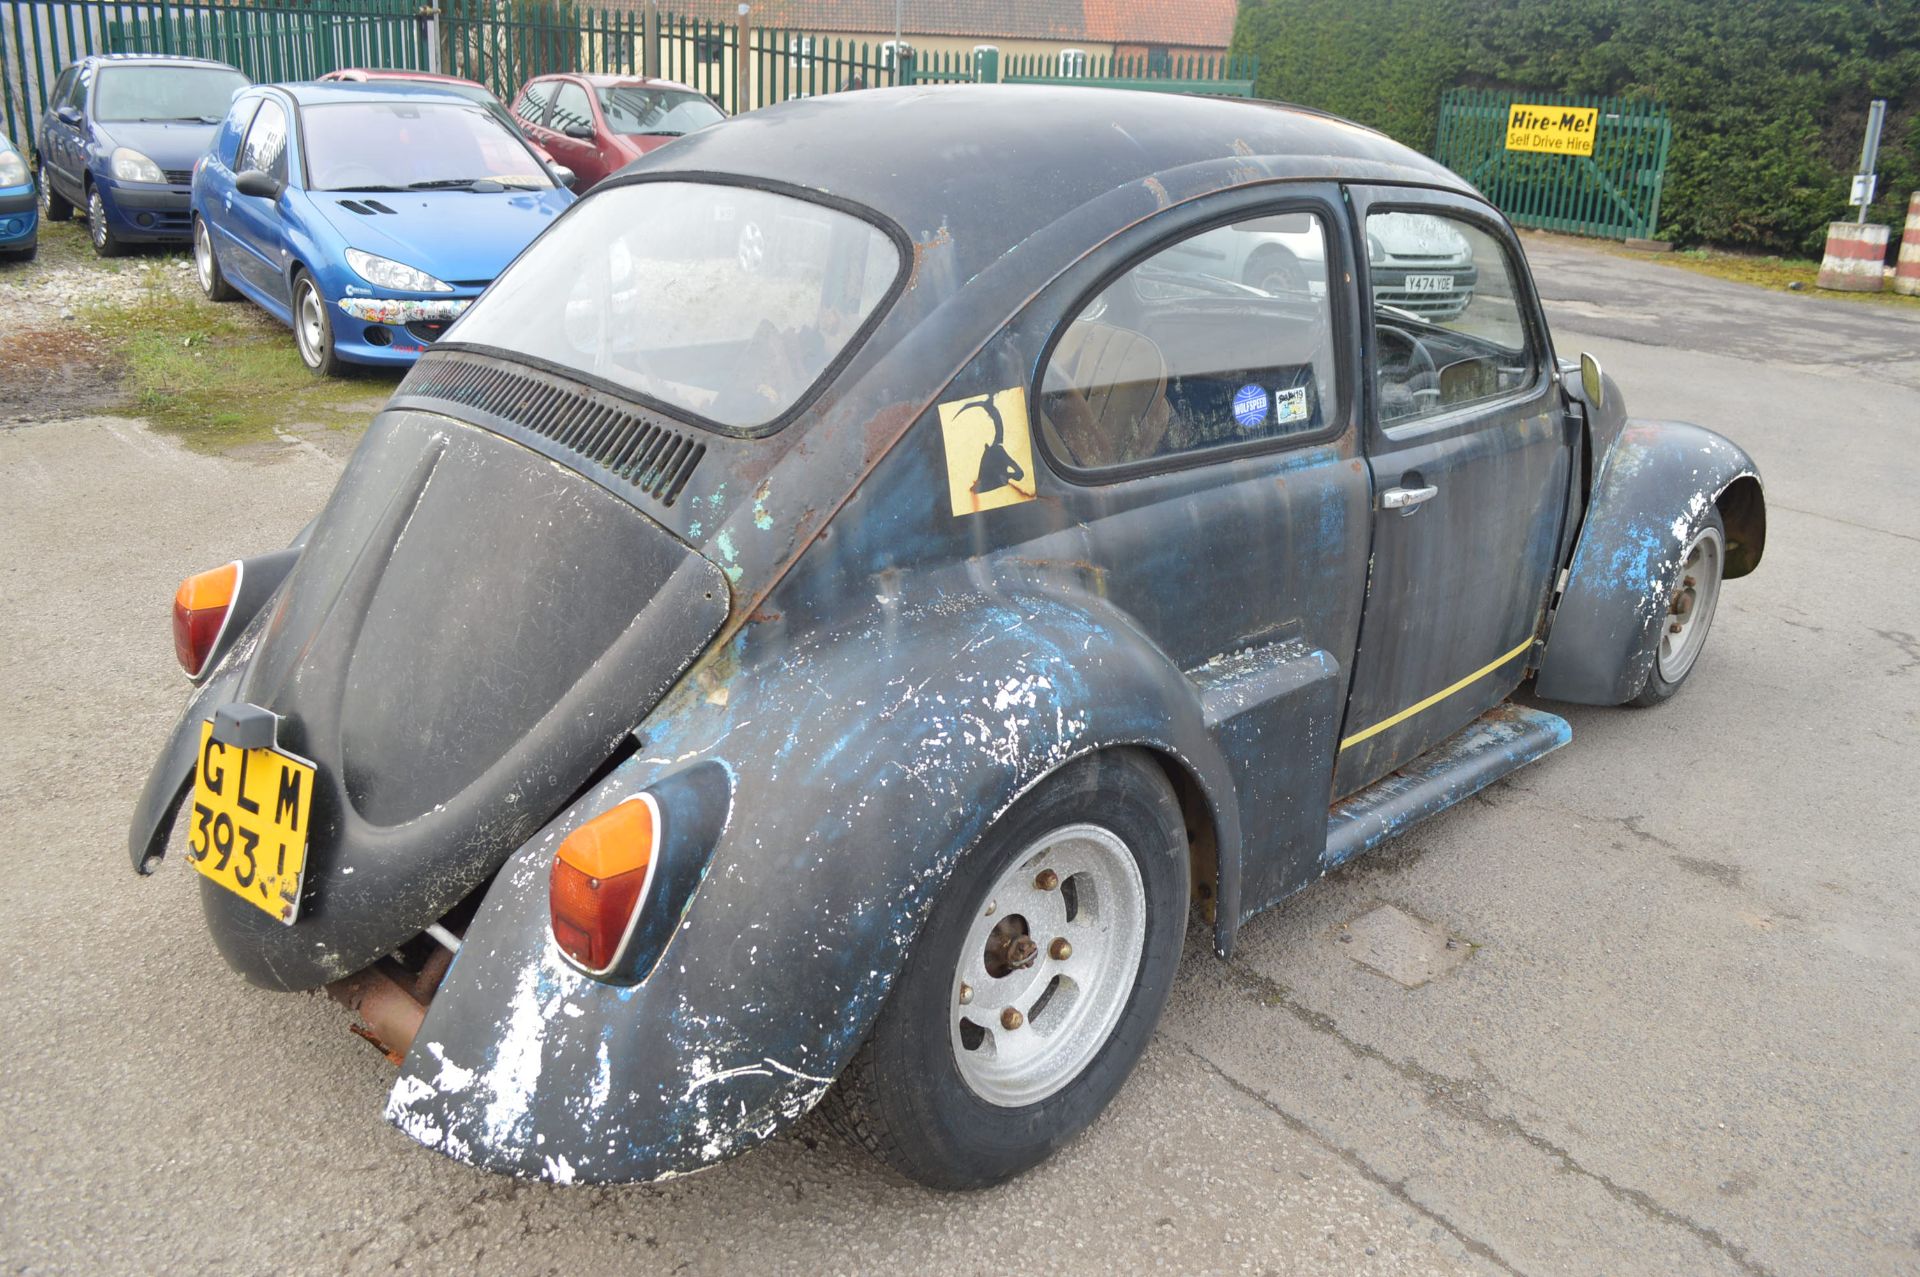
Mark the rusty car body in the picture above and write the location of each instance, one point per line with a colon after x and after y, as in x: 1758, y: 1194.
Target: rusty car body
x: 1016, y: 529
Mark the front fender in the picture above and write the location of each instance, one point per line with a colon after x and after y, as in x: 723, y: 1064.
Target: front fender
x: 856, y: 786
x: 1654, y: 480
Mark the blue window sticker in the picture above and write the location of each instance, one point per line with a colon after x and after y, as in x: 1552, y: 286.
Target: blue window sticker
x: 1290, y: 406
x: 1250, y: 406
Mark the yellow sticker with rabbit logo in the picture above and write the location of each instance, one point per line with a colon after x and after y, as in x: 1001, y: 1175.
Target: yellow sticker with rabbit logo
x: 989, y: 451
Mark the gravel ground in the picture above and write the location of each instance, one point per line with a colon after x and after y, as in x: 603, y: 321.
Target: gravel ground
x: 66, y: 278
x: 1683, y: 1035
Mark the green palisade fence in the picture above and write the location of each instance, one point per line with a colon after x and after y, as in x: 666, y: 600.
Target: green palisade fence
x: 1613, y: 193
x: 503, y: 43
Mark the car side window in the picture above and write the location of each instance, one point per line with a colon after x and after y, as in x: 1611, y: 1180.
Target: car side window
x: 63, y: 88
x: 532, y: 105
x: 266, y: 145
x: 570, y: 107
x: 1447, y: 316
x: 1221, y: 338
x: 235, y: 128
x: 77, y: 91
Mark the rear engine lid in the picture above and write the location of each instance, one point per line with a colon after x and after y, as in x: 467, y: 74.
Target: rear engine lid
x: 469, y: 634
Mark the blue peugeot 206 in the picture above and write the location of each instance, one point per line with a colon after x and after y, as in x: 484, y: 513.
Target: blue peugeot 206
x: 119, y: 140
x: 19, y: 218
x: 365, y: 216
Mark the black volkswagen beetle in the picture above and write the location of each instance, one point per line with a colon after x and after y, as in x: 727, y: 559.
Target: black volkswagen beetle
x: 821, y: 622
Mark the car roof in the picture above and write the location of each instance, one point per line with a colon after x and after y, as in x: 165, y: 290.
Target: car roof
x: 599, y: 81
x: 155, y: 59
x: 316, y: 93
x: 401, y: 73
x: 984, y: 167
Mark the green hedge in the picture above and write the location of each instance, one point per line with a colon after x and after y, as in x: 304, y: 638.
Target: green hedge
x: 1769, y: 97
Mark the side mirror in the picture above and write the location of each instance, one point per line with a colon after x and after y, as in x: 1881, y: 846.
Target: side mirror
x: 69, y: 114
x: 563, y: 175
x: 254, y: 182
x: 1592, y: 384
x: 584, y: 132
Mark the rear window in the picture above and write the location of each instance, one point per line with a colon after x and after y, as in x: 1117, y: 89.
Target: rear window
x: 721, y: 303
x: 639, y: 112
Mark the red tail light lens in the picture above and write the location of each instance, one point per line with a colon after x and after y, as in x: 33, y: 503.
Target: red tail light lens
x: 600, y: 879
x: 200, y: 608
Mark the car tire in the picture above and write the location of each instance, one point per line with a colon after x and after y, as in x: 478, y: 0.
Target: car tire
x: 99, y: 230
x: 54, y: 207
x: 206, y: 265
x: 1274, y: 270
x: 312, y: 328
x: 931, y: 1093
x: 1691, y: 600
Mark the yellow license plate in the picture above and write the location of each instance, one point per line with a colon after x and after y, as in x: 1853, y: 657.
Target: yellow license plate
x: 248, y: 827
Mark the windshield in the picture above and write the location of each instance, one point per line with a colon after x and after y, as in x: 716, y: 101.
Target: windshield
x: 633, y: 110
x: 722, y: 302
x: 199, y: 95
x: 405, y: 146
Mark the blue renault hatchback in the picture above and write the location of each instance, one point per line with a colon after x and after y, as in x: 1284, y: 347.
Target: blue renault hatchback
x: 365, y: 216
x: 19, y: 215
x: 119, y: 140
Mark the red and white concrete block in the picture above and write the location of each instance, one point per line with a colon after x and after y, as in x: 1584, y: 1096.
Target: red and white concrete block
x: 1906, y: 274
x: 1856, y: 259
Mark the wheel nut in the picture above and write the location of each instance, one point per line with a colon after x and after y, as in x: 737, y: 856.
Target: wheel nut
x: 1011, y: 1019
x: 1060, y: 950
x: 966, y: 994
x: 1047, y: 880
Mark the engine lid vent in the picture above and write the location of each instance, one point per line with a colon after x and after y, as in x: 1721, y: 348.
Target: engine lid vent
x: 632, y: 447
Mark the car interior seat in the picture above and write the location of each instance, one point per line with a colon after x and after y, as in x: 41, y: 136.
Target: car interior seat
x: 1105, y: 399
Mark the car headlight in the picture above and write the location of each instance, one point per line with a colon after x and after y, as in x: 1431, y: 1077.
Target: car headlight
x: 131, y: 166
x: 394, y: 275
x: 13, y: 170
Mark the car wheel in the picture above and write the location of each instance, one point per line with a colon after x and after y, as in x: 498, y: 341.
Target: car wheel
x: 1276, y: 271
x: 312, y: 330
x: 1035, y: 984
x: 207, y: 267
x: 1691, y: 600
x: 54, y: 207
x: 105, y: 242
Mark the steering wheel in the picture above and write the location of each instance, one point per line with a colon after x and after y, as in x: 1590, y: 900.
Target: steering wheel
x: 1422, y: 382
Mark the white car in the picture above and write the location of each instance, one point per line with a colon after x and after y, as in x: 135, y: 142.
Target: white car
x: 1418, y: 263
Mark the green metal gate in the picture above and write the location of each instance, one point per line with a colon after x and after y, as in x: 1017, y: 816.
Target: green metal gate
x: 1615, y: 192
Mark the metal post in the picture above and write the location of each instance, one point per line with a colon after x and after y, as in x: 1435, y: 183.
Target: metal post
x: 1869, y: 156
x: 430, y: 24
x: 898, y: 5
x: 650, y: 41
x: 742, y: 92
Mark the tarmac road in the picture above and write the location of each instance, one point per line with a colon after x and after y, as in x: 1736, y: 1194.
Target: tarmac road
x: 1677, y: 1031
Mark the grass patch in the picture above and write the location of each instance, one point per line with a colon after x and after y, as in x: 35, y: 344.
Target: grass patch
x: 219, y: 376
x: 1778, y: 273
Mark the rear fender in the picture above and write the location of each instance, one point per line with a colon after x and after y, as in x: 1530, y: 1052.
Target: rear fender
x: 854, y: 789
x: 1655, y: 479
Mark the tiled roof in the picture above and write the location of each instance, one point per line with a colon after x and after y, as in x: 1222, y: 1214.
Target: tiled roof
x: 1197, y: 23
x: 1206, y: 24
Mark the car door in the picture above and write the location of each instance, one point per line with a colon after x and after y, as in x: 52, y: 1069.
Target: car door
x: 573, y: 109
x: 61, y: 138
x: 1469, y: 447
x: 1203, y: 442
x: 531, y: 109
x: 215, y: 184
x: 259, y: 234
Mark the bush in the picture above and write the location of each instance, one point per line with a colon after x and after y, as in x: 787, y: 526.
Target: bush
x: 1768, y: 97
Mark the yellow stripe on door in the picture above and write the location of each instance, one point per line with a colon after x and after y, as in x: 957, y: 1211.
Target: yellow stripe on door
x: 1436, y: 698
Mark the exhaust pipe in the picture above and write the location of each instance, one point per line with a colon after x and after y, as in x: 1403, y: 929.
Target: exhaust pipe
x: 390, y: 1014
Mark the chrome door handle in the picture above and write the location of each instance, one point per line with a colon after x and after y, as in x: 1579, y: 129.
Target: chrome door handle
x: 1403, y: 498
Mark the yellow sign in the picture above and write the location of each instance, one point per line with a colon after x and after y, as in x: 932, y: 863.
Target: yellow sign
x: 989, y: 451
x: 1555, y: 130
x: 248, y: 829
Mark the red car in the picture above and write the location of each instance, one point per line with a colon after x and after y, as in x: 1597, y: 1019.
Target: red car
x: 466, y: 88
x: 598, y: 124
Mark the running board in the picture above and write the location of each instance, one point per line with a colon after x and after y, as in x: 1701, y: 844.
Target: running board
x: 1504, y: 739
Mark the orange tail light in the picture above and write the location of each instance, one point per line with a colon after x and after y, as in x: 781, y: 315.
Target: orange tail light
x: 200, y: 608
x: 600, y: 878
